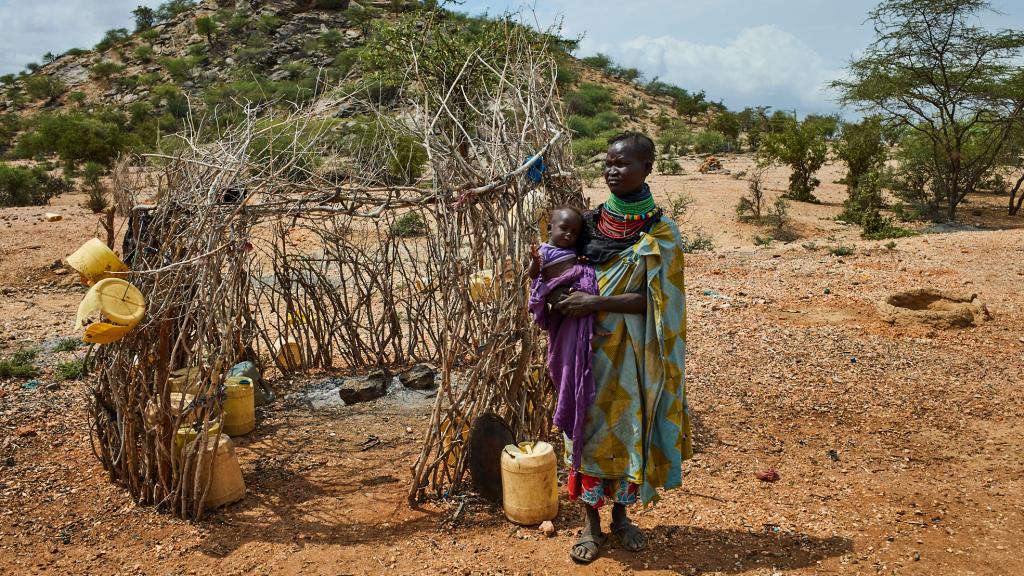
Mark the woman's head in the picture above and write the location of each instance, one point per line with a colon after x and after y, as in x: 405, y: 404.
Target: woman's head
x: 566, y: 224
x: 629, y: 161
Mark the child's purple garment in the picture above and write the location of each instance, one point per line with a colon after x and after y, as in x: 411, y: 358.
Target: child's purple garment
x: 569, y: 341
x: 551, y: 255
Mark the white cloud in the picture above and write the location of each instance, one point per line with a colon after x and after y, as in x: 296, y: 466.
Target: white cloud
x: 760, y: 66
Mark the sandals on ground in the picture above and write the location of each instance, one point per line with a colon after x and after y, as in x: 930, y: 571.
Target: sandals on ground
x: 588, y: 543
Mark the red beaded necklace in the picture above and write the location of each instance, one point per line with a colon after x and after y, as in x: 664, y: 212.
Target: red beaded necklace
x: 618, y: 227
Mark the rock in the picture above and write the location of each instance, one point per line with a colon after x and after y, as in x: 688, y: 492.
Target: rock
x: 355, y: 389
x: 940, y: 309
x: 768, y: 475
x: 547, y: 528
x: 419, y: 377
x: 25, y: 431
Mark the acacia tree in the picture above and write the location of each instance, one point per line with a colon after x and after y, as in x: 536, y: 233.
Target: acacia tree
x: 934, y: 70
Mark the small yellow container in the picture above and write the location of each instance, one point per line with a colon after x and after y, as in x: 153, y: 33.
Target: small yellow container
x: 94, y: 261
x: 185, y: 379
x: 529, y: 482
x: 222, y: 471
x: 120, y: 305
x: 187, y: 433
x: 288, y: 354
x: 239, y: 407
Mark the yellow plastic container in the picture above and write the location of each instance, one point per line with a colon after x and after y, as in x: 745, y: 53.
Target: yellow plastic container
x: 529, y: 482
x: 288, y: 353
x: 185, y: 379
x: 187, y: 433
x: 94, y: 261
x: 481, y: 286
x: 179, y: 402
x: 120, y: 305
x: 222, y: 471
x: 239, y: 407
x: 448, y: 440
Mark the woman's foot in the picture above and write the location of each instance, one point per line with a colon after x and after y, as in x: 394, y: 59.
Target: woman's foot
x: 630, y: 537
x: 587, y: 548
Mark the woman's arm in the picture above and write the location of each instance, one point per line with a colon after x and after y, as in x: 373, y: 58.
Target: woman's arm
x: 580, y: 304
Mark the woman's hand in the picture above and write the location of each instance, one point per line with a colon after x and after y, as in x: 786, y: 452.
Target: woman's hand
x: 578, y: 304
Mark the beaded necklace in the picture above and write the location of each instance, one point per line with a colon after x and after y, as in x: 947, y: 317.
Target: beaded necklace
x: 620, y: 219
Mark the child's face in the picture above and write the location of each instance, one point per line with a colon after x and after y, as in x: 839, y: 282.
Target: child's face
x: 565, y: 228
x: 624, y: 170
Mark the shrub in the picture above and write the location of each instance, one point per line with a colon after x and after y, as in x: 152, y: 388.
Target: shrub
x: 206, y: 26
x: 728, y: 124
x: 409, y: 224
x: 861, y: 147
x: 678, y: 206
x: 72, y: 370
x: 267, y: 23
x: 179, y: 68
x: 76, y: 137
x: 149, y: 35
x: 675, y: 140
x: 749, y: 206
x: 145, y: 53
x: 104, y: 71
x: 669, y: 166
x: 589, y: 100
x: 145, y: 17
x: 97, y: 200
x: 112, y: 38
x: 10, y: 125
x: 171, y: 99
x: 697, y: 242
x: 44, y: 86
x: 802, y: 147
x: 583, y: 149
x: 76, y: 52
x: 172, y: 8
x: 710, y: 142
x: 69, y: 344
x: 760, y: 240
x: 21, y: 364
x: 20, y: 186
x: 840, y: 249
x: 778, y: 218
x: 589, y: 127
x: 877, y: 227
x: 864, y: 198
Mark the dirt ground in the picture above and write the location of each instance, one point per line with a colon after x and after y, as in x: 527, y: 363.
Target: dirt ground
x: 899, y: 449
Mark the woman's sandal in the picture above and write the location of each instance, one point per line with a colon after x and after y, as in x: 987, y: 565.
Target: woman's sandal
x: 589, y: 543
x: 630, y: 537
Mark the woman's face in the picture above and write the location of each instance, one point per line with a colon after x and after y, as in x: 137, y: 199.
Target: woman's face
x: 624, y: 170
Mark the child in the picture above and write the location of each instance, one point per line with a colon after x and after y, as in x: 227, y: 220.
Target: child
x: 554, y: 266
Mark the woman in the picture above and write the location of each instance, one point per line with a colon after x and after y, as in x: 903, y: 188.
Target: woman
x: 637, y: 430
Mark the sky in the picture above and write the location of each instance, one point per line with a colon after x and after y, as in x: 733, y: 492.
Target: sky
x: 778, y: 53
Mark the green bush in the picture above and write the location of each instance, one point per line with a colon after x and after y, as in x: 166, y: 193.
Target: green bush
x: 583, y: 149
x: 10, y: 125
x: 589, y: 100
x: 669, y: 166
x: 267, y: 23
x: 697, y: 242
x: 76, y: 52
x: 171, y: 99
x: 802, y: 147
x: 72, y: 370
x: 675, y: 140
x: 76, y: 137
x: 149, y: 35
x: 172, y: 8
x: 145, y: 53
x: 710, y: 142
x: 112, y: 38
x: 589, y: 127
x: 180, y: 68
x: 840, y: 250
x: 21, y: 364
x: 21, y: 186
x: 69, y: 344
x: 104, y: 71
x: 877, y: 227
x: 409, y: 224
x: 44, y: 86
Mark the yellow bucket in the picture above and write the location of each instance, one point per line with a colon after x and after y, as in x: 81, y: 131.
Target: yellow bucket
x: 449, y: 442
x: 118, y: 302
x: 185, y: 379
x: 239, y: 406
x: 223, y: 473
x: 94, y: 261
x: 481, y: 286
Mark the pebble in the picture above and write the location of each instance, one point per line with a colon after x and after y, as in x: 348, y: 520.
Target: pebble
x: 547, y: 528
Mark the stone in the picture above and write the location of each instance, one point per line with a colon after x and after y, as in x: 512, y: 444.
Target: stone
x: 355, y: 389
x: 939, y: 309
x: 25, y: 431
x: 52, y: 217
x: 547, y: 528
x: 419, y: 377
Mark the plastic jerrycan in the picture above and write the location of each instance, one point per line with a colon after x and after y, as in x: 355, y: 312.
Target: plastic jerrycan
x: 239, y: 406
x: 529, y: 482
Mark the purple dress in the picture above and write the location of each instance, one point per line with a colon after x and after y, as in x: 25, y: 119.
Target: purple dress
x: 569, y: 341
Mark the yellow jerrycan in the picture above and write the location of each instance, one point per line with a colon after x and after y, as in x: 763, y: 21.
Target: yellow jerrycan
x: 221, y: 469
x: 94, y: 261
x: 529, y: 482
x: 120, y: 305
x: 239, y: 416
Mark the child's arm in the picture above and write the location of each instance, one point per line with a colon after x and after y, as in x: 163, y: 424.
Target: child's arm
x: 534, y: 269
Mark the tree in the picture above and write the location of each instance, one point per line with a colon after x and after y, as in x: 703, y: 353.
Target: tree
x: 44, y: 86
x: 933, y: 70
x: 145, y: 17
x: 802, y: 147
x: 206, y: 27
x: 49, y: 57
x: 728, y: 123
x: 827, y: 124
x: 861, y: 147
